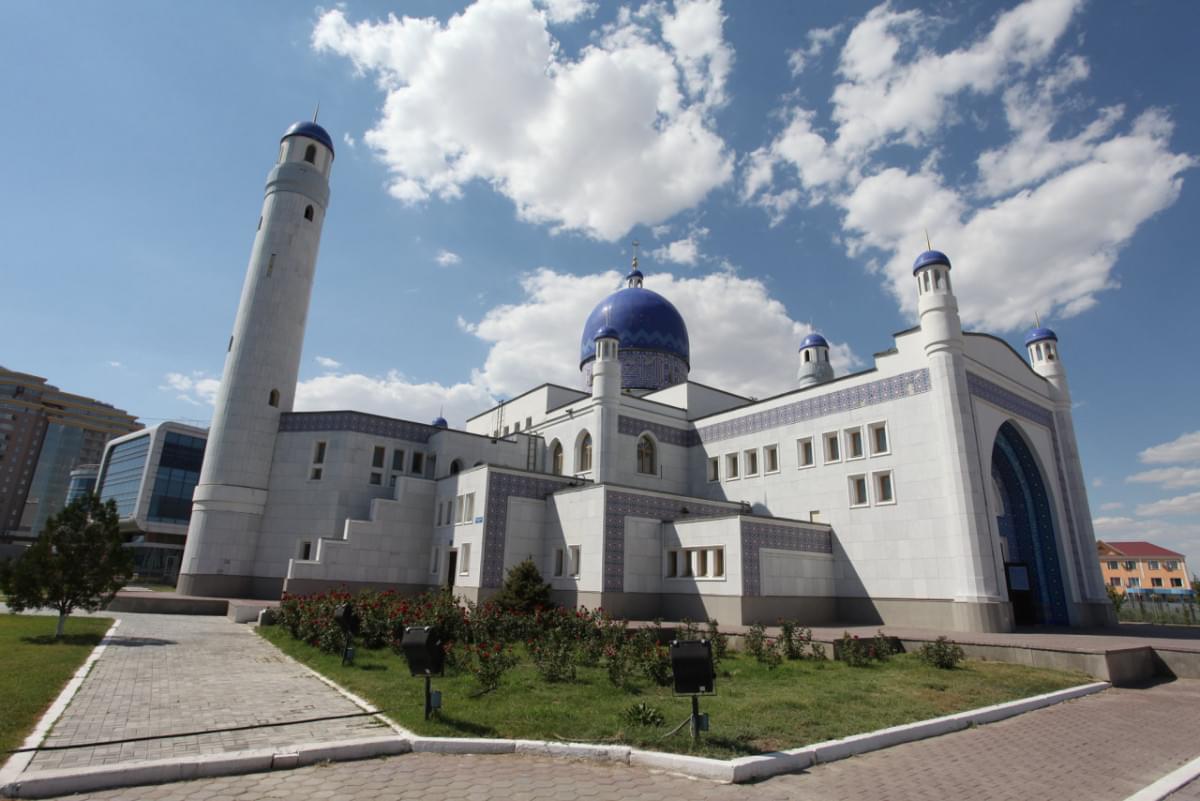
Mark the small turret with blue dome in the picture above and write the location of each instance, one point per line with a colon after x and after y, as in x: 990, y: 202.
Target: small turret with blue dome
x: 814, y: 361
x: 654, y: 349
x: 440, y: 422
x: 310, y: 130
x: 1042, y: 345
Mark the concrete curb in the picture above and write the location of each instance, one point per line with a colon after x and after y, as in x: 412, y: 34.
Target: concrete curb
x: 17, y: 763
x: 1169, y: 783
x: 46, y: 784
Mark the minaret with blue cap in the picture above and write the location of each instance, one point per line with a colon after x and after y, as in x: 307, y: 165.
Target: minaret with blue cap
x: 1042, y: 345
x: 262, y: 364
x: 814, y: 361
x: 606, y: 391
x: 980, y: 601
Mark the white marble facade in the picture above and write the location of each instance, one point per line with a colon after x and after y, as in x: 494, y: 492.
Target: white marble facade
x: 905, y: 523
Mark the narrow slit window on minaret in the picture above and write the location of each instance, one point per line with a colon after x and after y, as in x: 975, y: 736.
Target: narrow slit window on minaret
x: 308, y: 213
x: 230, y: 348
x: 273, y: 398
x: 937, y: 279
x: 260, y: 222
x: 270, y: 265
x: 310, y: 154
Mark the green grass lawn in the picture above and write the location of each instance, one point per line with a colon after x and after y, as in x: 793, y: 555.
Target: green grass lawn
x: 756, y: 710
x: 34, y: 668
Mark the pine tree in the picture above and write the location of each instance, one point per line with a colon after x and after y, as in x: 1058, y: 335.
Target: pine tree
x: 77, y: 562
x: 524, y: 590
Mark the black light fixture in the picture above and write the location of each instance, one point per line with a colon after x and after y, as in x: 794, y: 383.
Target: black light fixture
x: 426, y: 658
x: 347, y: 620
x: 694, y: 675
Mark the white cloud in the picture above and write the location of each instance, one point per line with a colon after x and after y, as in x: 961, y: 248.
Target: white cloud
x: 1042, y: 225
x: 1097, y: 482
x: 116, y: 365
x: 350, y: 141
x: 1168, y: 477
x: 198, y: 388
x: 562, y: 12
x: 1184, y: 448
x: 681, y: 251
x: 1179, y: 505
x: 328, y: 363
x: 1111, y: 506
x: 619, y: 135
x: 447, y: 258
x: 818, y: 40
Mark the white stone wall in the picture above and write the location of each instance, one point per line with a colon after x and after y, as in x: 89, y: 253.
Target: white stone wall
x: 724, y: 532
x: 575, y: 517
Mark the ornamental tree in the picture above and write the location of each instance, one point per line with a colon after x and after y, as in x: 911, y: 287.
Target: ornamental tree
x: 77, y: 562
x: 524, y: 590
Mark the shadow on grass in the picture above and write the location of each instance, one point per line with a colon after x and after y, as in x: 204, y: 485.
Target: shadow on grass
x: 66, y: 639
x: 371, y: 667
x: 466, y: 726
x: 738, y: 745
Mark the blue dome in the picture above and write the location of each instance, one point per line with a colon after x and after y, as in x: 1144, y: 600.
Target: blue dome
x: 814, y: 341
x: 643, y: 320
x: 440, y: 422
x: 312, y: 131
x: 607, y: 332
x: 1039, y: 335
x: 930, y: 257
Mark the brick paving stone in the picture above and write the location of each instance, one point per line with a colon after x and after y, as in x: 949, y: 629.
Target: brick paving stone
x: 165, y: 674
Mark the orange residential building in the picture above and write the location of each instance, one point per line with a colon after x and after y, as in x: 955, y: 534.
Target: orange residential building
x: 1143, y: 568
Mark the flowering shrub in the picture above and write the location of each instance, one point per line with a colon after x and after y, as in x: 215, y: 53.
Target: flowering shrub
x: 555, y: 654
x: 942, y: 653
x: 857, y: 652
x: 755, y: 641
x: 488, y: 662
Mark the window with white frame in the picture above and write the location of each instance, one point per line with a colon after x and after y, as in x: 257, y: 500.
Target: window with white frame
x: 858, y: 491
x: 731, y: 466
x: 1133, y: 582
x: 708, y: 563
x: 833, y: 447
x: 1112, y: 565
x: 1156, y: 582
x: 771, y: 459
x: 854, y: 444
x: 804, y: 452
x: 714, y: 468
x: 884, y: 491
x: 575, y: 561
x: 880, y: 442
x: 750, y: 462
x: 558, y: 561
x: 1115, y: 581
x: 318, y: 460
x: 1176, y: 582
x: 398, y: 460
x: 464, y: 559
x: 583, y: 457
x: 378, y: 455
x: 418, y: 463
x: 1152, y: 564
x: 465, y: 508
x: 1172, y: 565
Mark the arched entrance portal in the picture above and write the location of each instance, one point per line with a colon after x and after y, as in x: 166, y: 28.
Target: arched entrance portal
x: 1031, y: 565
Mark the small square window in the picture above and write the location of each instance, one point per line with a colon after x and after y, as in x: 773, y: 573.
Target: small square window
x: 575, y: 561
x: 804, y: 452
x: 771, y: 459
x: 833, y: 448
x: 315, y: 474
x: 1176, y: 582
x: 854, y: 444
x: 750, y: 460
x: 879, y: 439
x: 1115, y: 581
x: 731, y: 466
x: 884, y: 492
x: 1133, y: 582
x: 1152, y: 564
x: 1112, y: 565
x: 377, y: 479
x: 858, y: 491
x: 714, y: 469
x: 1156, y: 582
x: 378, y: 455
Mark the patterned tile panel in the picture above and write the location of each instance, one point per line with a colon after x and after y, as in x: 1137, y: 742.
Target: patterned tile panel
x: 1010, y: 401
x: 644, y: 369
x: 914, y: 382
x: 620, y: 505
x: 756, y: 535
x: 500, y: 487
x: 356, y: 421
x: 672, y: 436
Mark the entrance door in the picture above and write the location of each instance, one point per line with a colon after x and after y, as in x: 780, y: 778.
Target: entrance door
x: 451, y: 569
x: 1020, y: 593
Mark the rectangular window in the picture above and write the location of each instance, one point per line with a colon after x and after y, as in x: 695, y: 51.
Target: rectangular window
x: 469, y: 508
x: 319, y: 453
x: 1172, y: 566
x: 731, y: 466
x: 575, y: 561
x: 439, y: 520
x: 377, y: 479
x: 883, y: 488
x: 672, y: 567
x: 771, y: 458
x: 1152, y: 564
x: 1176, y: 582
x: 392, y: 481
x: 1133, y: 582
x: 714, y: 469
x: 458, y: 508
x: 1131, y: 565
x: 750, y: 460
x: 378, y: 455
x: 418, y: 463
x: 516, y: 426
x: 718, y: 563
x: 558, y: 561
x: 1156, y: 582
x: 879, y: 439
x: 398, y: 460
x: 464, y: 559
x: 854, y: 443
x: 306, y: 551
x: 686, y: 564
x: 315, y: 474
x: 804, y: 452
x: 1115, y: 581
x: 528, y: 422
x: 1113, y: 565
x: 696, y: 563
x: 701, y: 563
x: 833, y: 448
x: 433, y: 561
x: 858, y: 491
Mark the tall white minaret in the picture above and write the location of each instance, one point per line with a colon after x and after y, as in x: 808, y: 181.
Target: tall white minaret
x: 606, y: 389
x: 1044, y: 356
x: 261, y: 369
x: 981, y: 602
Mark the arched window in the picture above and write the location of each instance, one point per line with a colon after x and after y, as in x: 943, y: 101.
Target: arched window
x: 310, y: 154
x: 807, y: 356
x: 455, y: 467
x: 556, y: 458
x: 926, y: 281
x: 937, y: 279
x: 584, y: 462
x: 273, y: 399
x: 308, y: 213
x: 645, y: 455
x: 1038, y: 350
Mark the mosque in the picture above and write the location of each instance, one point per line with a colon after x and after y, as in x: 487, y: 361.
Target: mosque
x: 941, y: 487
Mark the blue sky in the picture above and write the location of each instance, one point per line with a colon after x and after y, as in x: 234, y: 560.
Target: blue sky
x: 778, y: 162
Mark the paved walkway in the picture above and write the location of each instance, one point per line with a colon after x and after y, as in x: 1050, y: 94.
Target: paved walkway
x: 1104, y: 746
x: 166, y: 674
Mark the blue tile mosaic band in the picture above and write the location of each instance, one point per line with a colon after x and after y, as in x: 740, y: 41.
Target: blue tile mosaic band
x: 620, y: 505
x: 914, y: 382
x: 645, y: 369
x: 756, y: 536
x: 500, y: 487
x: 1012, y: 402
x: 356, y: 421
x: 633, y: 426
